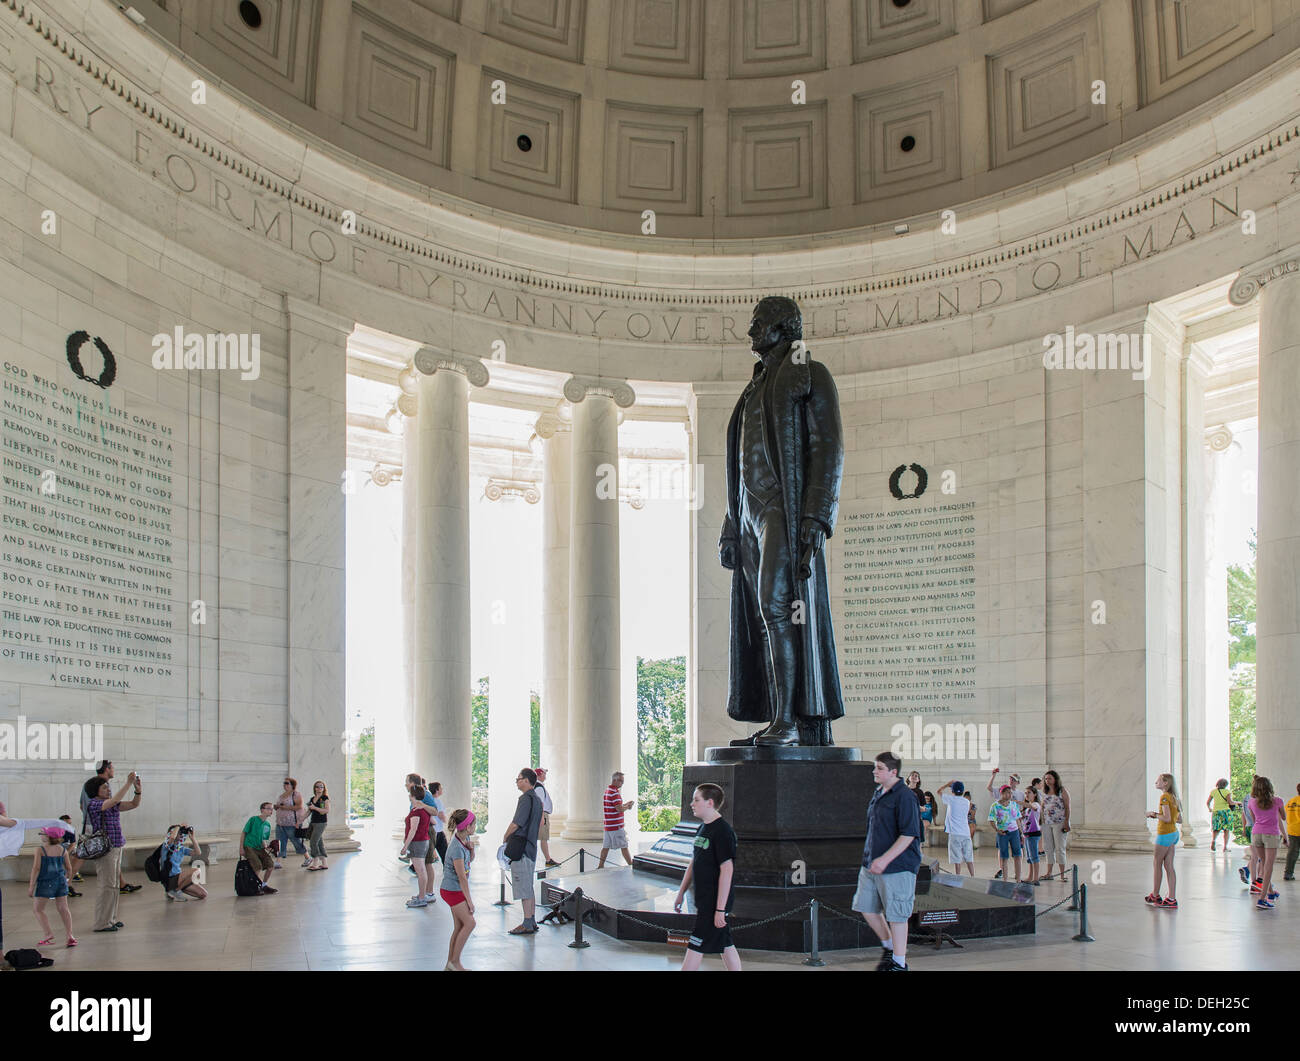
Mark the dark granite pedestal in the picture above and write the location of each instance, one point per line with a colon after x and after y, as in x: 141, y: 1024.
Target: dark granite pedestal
x: 800, y: 821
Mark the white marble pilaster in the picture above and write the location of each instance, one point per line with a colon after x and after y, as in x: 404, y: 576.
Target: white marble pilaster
x: 1277, y: 561
x: 556, y: 434
x: 317, y: 517
x: 440, y: 726
x: 594, y: 601
x: 1194, y: 766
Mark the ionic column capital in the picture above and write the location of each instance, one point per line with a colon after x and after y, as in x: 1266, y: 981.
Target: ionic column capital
x: 428, y: 361
x: 1253, y: 277
x: 576, y: 388
x: 1218, y: 438
x: 549, y: 424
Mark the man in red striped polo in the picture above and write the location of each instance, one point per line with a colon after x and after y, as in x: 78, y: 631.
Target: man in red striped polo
x: 615, y: 835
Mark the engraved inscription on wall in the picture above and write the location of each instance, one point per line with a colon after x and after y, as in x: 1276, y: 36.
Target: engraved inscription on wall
x: 908, y: 584
x: 94, y: 539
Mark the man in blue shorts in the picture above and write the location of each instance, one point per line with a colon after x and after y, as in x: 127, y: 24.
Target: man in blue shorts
x: 890, y: 859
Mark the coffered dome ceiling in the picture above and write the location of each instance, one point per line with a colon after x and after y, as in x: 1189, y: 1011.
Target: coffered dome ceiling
x: 587, y: 113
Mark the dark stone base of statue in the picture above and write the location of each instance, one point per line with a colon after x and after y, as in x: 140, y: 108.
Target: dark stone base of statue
x: 800, y: 818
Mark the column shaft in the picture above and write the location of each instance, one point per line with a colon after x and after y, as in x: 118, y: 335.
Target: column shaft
x: 440, y: 735
x: 594, y: 687
x: 557, y: 512
x: 1277, y: 670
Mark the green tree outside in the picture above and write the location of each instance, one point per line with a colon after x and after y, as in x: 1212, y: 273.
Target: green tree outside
x: 661, y: 740
x: 361, y: 775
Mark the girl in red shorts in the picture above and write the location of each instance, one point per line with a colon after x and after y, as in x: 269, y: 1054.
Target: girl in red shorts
x: 455, y: 884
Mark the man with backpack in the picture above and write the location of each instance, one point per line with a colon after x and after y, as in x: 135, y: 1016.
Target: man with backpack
x: 164, y: 865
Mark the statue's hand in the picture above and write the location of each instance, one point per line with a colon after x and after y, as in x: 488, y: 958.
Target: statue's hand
x: 811, y: 532
x: 727, y: 555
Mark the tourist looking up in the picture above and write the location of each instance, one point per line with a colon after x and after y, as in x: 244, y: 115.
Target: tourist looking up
x: 1220, y: 804
x: 256, y: 835
x: 319, y: 809
x: 521, y: 848
x: 544, y: 833
x: 1293, y: 834
x: 105, y: 772
x: 1167, y: 815
x: 1054, y: 821
x: 615, y: 838
x: 1004, y: 815
x: 455, y: 884
x: 49, y: 880
x: 104, y: 811
x: 890, y: 859
x: 417, y: 844
x: 956, y: 822
x: 289, y: 814
x: 712, y: 868
x: 1267, y: 835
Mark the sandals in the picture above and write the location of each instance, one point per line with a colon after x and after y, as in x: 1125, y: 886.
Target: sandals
x: 45, y: 942
x: 72, y: 941
x: 523, y: 930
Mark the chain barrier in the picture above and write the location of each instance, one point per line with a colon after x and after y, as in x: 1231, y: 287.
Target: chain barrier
x: 735, y: 928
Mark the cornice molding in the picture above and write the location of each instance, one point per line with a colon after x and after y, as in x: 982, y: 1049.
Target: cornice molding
x: 872, y: 247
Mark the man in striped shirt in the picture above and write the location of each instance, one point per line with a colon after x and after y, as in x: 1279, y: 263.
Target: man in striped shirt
x: 615, y: 835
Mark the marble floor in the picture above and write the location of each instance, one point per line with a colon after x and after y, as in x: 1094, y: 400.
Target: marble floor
x: 353, y: 917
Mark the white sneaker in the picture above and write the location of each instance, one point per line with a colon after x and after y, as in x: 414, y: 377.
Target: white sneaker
x: 176, y: 897
x: 431, y: 897
x: 277, y: 865
x: 305, y: 863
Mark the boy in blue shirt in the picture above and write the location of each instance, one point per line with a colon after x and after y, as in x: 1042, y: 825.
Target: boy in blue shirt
x: 890, y: 859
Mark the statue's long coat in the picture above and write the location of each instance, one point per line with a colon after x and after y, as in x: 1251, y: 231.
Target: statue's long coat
x: 802, y: 435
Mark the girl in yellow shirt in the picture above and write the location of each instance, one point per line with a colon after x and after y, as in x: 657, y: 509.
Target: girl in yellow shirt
x: 1167, y: 818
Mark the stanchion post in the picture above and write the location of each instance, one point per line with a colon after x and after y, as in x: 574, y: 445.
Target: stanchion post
x: 1083, y: 936
x: 582, y: 860
x: 814, y: 958
x: 578, y: 942
x: 503, y: 901
x: 1074, y: 887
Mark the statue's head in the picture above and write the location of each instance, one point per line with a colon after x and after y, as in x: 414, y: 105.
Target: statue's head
x: 776, y: 320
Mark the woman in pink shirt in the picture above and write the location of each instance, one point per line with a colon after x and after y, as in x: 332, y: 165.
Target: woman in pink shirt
x: 1266, y: 836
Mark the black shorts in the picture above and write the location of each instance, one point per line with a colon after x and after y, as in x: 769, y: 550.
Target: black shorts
x: 707, y: 938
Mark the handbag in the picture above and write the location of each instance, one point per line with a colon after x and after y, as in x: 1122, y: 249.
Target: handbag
x: 302, y: 831
x: 517, y: 845
x: 93, y: 845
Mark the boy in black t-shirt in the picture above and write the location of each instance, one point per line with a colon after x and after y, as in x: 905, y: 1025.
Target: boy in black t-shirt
x: 712, y: 866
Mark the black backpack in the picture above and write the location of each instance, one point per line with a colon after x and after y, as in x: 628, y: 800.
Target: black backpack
x: 153, y: 868
x: 27, y: 959
x: 246, y: 881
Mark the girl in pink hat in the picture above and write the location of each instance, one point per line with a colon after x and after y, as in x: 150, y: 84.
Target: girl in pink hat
x: 49, y: 880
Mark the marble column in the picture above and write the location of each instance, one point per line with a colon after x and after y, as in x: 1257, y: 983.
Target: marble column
x: 594, y: 601
x: 440, y: 715
x: 317, y: 460
x: 1218, y: 756
x: 1277, y: 561
x: 556, y: 434
x: 393, y: 728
